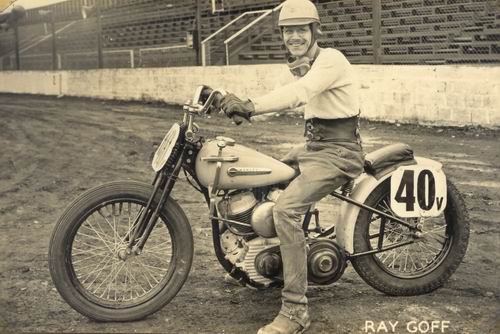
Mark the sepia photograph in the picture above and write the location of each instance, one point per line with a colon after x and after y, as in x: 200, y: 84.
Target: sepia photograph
x: 250, y: 166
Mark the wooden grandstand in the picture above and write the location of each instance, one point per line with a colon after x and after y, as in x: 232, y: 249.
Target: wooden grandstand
x: 440, y: 31
x: 155, y: 32
x: 412, y: 32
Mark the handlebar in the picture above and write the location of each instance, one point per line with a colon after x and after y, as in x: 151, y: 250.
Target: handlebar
x: 213, y: 96
x: 203, y: 99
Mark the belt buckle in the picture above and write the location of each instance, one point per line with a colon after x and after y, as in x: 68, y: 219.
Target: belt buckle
x: 309, y: 130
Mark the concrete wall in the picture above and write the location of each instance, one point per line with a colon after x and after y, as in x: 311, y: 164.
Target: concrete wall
x: 441, y: 95
x: 447, y: 95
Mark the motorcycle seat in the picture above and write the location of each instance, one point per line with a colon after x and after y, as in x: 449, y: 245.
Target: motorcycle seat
x: 383, y: 159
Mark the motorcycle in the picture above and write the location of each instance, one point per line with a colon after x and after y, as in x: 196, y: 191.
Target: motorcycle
x: 123, y: 250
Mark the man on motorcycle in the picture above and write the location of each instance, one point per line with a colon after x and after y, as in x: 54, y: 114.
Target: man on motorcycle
x: 325, y: 84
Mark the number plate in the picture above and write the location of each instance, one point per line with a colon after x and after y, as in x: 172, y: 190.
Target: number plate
x: 418, y: 191
x: 165, y: 149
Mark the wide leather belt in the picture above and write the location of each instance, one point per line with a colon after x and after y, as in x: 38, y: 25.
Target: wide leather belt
x: 333, y: 130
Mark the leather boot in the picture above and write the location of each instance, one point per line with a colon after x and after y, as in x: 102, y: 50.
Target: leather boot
x: 294, y: 320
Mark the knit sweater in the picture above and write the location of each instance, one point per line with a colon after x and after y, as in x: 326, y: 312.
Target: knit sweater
x: 328, y: 90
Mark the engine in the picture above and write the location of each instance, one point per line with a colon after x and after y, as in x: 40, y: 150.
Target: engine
x: 244, y: 253
x: 251, y: 234
x: 250, y: 242
x: 248, y: 216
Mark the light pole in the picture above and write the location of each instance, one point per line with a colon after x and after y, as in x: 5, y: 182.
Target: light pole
x: 51, y: 20
x: 99, y: 34
x: 88, y: 11
x: 8, y: 20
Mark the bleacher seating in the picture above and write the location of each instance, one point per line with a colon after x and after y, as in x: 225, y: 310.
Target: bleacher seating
x: 411, y: 32
x: 438, y: 31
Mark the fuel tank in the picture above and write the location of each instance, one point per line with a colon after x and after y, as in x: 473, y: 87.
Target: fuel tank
x: 243, y: 168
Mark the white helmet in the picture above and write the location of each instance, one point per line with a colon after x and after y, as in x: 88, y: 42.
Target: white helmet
x: 298, y: 12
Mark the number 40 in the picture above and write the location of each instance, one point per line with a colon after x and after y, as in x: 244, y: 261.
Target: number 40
x: 426, y: 190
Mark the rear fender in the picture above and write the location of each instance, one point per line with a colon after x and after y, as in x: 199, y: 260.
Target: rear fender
x: 363, y: 187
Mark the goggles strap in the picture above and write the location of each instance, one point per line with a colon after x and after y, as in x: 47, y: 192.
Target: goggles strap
x: 299, y: 66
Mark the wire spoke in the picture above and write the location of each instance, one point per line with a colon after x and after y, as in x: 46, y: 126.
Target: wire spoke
x: 146, y: 269
x: 132, y: 226
x: 96, y: 221
x: 106, y: 265
x: 427, y: 255
x: 138, y: 284
x: 105, y: 271
x: 406, y: 259
x: 161, y: 258
x: 102, y: 236
x: 105, y: 279
x: 89, y: 257
x: 423, y: 255
x: 147, y: 278
x: 109, y: 223
x: 82, y: 251
x: 155, y: 268
x: 93, y: 238
x: 429, y: 246
x: 157, y: 246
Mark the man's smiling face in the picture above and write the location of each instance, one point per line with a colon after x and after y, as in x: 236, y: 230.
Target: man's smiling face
x: 297, y: 39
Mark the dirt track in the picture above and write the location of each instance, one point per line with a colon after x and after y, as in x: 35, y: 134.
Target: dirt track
x: 53, y: 149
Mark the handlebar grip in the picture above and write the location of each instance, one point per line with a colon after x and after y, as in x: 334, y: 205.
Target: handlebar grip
x: 238, y: 119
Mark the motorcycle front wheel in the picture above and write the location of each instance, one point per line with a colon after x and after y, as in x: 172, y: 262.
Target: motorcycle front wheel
x: 421, y: 266
x: 91, y: 268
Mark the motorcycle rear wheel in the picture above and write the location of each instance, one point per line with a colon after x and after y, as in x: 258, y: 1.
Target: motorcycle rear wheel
x: 90, y: 266
x: 420, y: 267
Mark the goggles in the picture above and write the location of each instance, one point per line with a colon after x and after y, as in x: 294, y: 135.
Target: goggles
x: 299, y: 66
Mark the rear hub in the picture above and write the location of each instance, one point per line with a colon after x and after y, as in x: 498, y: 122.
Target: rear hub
x: 326, y: 262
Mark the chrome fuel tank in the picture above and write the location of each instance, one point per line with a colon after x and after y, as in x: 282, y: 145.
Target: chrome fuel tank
x: 247, y: 168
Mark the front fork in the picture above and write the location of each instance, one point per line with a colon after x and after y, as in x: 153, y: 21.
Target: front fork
x: 164, y: 183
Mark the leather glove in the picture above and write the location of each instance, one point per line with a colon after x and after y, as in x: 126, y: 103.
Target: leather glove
x: 234, y: 106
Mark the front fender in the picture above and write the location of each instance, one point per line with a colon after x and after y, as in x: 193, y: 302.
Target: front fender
x: 363, y: 187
